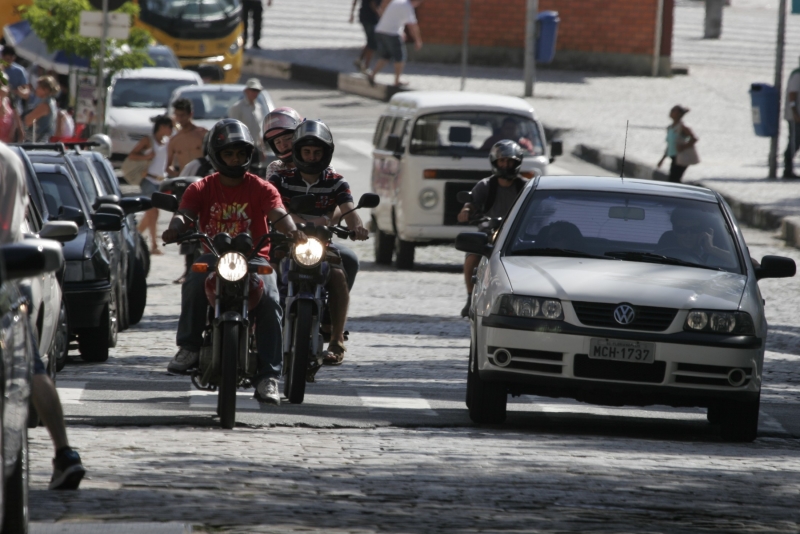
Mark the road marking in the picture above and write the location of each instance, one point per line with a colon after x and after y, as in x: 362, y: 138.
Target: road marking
x: 395, y: 400
x: 208, y: 400
x: 70, y: 392
x: 360, y: 146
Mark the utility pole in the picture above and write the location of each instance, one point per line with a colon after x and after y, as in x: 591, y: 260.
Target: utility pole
x: 530, y: 45
x: 100, y: 108
x: 465, y: 44
x: 773, y: 144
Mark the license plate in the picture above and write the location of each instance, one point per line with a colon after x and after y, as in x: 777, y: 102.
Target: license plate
x: 622, y: 351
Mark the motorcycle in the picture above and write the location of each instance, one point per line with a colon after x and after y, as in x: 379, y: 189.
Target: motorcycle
x: 304, y: 271
x: 228, y: 357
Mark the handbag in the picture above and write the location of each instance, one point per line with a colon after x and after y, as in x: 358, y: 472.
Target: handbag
x: 687, y: 156
x: 134, y: 170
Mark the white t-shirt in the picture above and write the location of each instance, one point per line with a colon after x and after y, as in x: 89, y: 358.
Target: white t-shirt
x: 792, y: 86
x: 394, y: 19
x: 13, y: 196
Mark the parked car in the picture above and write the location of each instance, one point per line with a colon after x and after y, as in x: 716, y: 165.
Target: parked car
x: 163, y: 57
x: 89, y: 282
x: 428, y: 146
x: 619, y: 292
x: 137, y: 95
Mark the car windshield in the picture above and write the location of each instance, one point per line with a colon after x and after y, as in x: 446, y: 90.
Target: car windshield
x: 86, y: 180
x: 214, y: 103
x: 472, y: 134
x: 163, y: 58
x: 192, y: 9
x: 622, y: 226
x: 141, y: 93
x: 57, y: 191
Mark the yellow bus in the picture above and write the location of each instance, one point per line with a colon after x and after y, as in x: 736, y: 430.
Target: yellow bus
x: 9, y: 13
x: 206, y: 35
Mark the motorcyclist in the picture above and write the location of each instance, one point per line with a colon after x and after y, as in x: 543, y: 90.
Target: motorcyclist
x: 492, y: 197
x: 232, y: 200
x: 312, y: 151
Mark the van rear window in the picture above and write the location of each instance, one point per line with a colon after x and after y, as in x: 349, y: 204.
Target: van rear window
x: 472, y: 134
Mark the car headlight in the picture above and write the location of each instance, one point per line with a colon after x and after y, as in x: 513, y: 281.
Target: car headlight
x: 428, y: 199
x: 720, y: 322
x: 232, y: 266
x: 533, y: 307
x: 309, y: 254
x: 235, y: 46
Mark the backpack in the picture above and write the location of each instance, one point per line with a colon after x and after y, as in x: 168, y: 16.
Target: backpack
x: 205, y: 167
x: 518, y: 184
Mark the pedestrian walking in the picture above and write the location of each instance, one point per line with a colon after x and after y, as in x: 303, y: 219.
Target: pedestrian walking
x: 18, y: 83
x: 368, y: 17
x: 10, y: 124
x: 256, y: 8
x: 680, y: 145
x: 396, y: 15
x: 792, y: 115
x: 251, y: 112
x: 40, y: 121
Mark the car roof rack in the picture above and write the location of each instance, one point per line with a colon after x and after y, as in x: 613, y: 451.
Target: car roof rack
x: 59, y: 147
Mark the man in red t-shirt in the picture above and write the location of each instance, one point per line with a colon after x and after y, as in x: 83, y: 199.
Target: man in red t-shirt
x: 233, y: 201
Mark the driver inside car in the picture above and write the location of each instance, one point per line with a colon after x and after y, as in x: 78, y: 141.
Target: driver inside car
x: 232, y: 200
x: 692, y: 239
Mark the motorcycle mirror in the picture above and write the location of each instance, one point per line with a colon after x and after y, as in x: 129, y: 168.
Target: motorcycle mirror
x: 165, y: 202
x: 464, y: 196
x: 369, y: 200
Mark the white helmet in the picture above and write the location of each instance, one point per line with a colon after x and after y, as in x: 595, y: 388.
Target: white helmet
x: 103, y: 144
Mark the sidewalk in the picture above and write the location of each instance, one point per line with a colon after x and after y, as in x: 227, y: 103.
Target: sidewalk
x: 591, y: 109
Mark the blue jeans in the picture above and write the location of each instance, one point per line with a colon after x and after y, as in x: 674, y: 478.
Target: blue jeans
x: 267, y: 314
x: 350, y: 263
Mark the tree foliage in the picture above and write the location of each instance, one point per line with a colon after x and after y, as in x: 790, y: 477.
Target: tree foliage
x: 57, y: 23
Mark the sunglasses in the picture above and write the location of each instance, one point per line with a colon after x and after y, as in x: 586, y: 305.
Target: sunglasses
x: 689, y: 229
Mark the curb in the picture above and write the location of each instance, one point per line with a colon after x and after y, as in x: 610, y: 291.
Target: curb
x: 747, y: 212
x: 350, y: 83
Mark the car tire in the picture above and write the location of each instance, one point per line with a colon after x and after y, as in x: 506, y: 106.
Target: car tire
x: 61, y: 340
x: 123, y: 314
x: 739, y: 420
x: 145, y: 255
x: 113, y: 319
x: 137, y: 295
x: 93, y: 342
x: 404, y: 254
x: 384, y: 247
x: 487, y: 400
x: 714, y: 415
x: 15, y: 506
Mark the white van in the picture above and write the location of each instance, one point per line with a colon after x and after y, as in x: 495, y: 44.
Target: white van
x: 428, y: 146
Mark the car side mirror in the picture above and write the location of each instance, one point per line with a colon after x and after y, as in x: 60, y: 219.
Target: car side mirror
x: 302, y: 203
x: 70, y: 213
x: 107, y: 222
x: 110, y: 208
x: 135, y: 204
x: 474, y: 243
x: 31, y: 257
x: 165, y: 202
x: 105, y: 199
x: 61, y: 231
x: 369, y: 200
x: 556, y: 149
x: 464, y: 197
x: 394, y: 143
x: 776, y: 267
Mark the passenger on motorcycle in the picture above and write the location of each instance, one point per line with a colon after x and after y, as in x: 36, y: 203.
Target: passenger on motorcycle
x: 232, y: 200
x: 279, y: 127
x: 312, y: 151
x: 492, y: 197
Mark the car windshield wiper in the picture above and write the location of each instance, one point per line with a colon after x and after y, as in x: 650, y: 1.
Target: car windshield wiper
x: 657, y: 258
x: 556, y: 252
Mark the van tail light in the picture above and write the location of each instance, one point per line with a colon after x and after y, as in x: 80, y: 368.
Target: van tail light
x: 199, y: 267
x: 429, y: 173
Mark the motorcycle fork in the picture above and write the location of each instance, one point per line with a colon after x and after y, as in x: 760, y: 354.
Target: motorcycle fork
x: 289, y: 320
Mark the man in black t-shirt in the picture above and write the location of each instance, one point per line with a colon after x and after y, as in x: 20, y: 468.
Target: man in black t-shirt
x: 368, y: 17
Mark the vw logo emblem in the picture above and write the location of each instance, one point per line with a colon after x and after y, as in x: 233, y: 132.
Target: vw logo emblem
x: 624, y: 314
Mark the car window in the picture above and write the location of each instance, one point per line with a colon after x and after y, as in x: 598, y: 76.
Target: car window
x: 163, y: 58
x: 624, y: 226
x: 86, y: 180
x: 388, y: 125
x: 181, y: 9
x: 141, y: 93
x: 57, y: 191
x: 214, y: 104
x: 107, y: 176
x: 378, y: 131
x: 472, y: 134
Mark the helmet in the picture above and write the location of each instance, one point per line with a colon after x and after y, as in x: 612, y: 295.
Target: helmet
x: 312, y: 133
x: 229, y: 133
x: 205, y: 143
x: 278, y: 122
x: 103, y: 144
x: 506, y: 149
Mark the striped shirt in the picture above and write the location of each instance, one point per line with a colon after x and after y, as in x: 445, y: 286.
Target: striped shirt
x: 330, y: 189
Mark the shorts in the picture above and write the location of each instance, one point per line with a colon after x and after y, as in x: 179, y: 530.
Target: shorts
x: 369, y: 31
x: 391, y: 47
x: 148, y: 187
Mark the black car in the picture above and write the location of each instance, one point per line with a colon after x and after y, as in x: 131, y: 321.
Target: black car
x: 89, y: 284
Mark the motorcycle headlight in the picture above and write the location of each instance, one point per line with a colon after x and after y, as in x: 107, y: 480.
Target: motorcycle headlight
x: 309, y: 254
x: 232, y: 266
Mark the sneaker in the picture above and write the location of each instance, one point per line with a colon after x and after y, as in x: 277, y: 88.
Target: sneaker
x: 183, y: 361
x: 267, y: 392
x: 67, y: 470
x: 465, y: 309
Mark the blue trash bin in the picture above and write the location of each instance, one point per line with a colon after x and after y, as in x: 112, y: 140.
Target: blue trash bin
x: 547, y: 24
x: 795, y: 7
x: 765, y: 101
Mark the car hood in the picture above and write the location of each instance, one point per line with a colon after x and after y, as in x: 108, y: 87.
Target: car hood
x: 612, y: 281
x: 133, y: 117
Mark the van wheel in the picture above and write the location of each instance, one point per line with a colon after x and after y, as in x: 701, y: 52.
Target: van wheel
x: 384, y: 247
x: 404, y: 254
x: 739, y: 420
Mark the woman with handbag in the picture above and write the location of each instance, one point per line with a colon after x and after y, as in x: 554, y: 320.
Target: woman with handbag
x: 680, y: 145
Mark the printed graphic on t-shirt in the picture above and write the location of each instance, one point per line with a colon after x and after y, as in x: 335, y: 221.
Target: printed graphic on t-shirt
x: 230, y: 218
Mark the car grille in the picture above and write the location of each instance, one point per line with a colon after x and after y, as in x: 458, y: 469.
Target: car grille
x: 646, y: 318
x: 585, y: 367
x: 707, y: 375
x: 529, y: 360
x: 451, y: 204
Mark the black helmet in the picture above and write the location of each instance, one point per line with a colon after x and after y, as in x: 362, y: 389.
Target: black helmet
x: 312, y: 133
x: 229, y: 133
x: 506, y: 149
x: 281, y: 121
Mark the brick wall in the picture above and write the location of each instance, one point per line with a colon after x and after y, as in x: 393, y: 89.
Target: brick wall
x: 615, y: 27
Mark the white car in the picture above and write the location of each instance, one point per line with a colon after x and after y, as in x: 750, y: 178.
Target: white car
x: 210, y: 103
x: 135, y: 96
x: 619, y: 292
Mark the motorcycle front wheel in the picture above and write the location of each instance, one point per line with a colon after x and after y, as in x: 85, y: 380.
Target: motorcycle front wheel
x: 227, y: 386
x: 295, y: 382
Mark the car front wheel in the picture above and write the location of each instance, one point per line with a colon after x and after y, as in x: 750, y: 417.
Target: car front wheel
x: 739, y: 420
x: 487, y: 401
